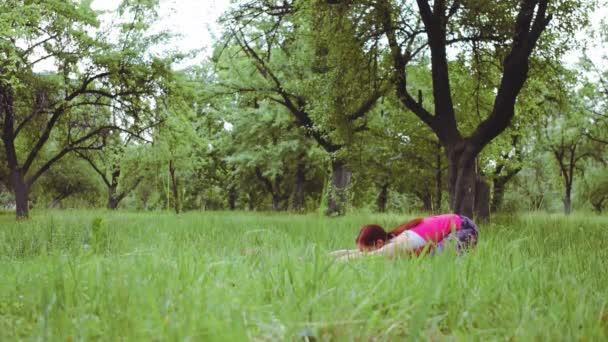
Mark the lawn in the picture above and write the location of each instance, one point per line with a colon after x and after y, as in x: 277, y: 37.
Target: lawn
x: 96, y: 275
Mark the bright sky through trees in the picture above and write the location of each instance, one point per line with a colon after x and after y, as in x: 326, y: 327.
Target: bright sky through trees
x: 195, y: 21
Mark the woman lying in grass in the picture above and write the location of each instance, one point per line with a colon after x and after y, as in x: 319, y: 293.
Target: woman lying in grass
x: 414, y: 237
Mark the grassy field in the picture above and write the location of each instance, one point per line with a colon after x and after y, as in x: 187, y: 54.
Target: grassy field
x: 85, y: 275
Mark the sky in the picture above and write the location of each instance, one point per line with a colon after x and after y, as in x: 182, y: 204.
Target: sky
x: 194, y: 20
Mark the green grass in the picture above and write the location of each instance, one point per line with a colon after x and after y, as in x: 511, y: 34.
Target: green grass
x: 71, y: 275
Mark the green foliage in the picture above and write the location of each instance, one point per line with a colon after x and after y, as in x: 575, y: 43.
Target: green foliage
x: 595, y: 188
x: 68, y: 184
x: 226, y: 129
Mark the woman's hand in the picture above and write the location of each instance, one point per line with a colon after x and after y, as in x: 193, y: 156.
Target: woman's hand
x: 350, y: 255
x: 342, y: 252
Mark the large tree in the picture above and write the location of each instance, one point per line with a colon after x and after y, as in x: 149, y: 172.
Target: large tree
x: 489, y: 30
x: 90, y: 70
x: 309, y: 58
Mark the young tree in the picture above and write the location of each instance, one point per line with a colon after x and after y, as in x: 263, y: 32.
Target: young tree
x: 595, y: 187
x: 565, y: 139
x: 119, y: 166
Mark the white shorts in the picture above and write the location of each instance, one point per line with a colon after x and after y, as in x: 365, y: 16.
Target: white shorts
x: 409, y: 241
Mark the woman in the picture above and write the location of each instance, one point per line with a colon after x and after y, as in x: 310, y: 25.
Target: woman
x: 415, y: 237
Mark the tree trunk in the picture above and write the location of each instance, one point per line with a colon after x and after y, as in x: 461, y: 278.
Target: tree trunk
x: 462, y: 179
x: 285, y: 199
x: 568, y: 200
x: 383, y: 198
x: 19, y: 185
x: 427, y: 202
x: 438, y: 180
x: 251, y: 202
x: 276, y: 202
x: 57, y: 201
x: 298, y: 196
x: 598, y: 205
x: 482, y: 200
x: 174, y: 187
x: 22, y: 193
x: 499, y: 185
x: 232, y: 194
x: 340, y: 180
x: 113, y: 199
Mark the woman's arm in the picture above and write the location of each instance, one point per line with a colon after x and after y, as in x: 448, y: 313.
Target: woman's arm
x: 403, y: 244
x: 343, y: 252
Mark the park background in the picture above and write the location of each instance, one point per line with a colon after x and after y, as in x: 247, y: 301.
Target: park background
x: 180, y: 169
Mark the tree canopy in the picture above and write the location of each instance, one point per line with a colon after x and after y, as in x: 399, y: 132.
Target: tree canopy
x: 466, y: 106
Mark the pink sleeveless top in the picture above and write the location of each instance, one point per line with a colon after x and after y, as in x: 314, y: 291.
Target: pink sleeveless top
x: 435, y: 228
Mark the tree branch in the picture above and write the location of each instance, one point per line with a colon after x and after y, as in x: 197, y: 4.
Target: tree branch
x: 301, y: 116
x: 99, y: 172
x: 515, y: 71
x: 366, y: 106
x: 71, y: 147
x: 399, y: 65
x: 124, y: 193
x: 60, y: 110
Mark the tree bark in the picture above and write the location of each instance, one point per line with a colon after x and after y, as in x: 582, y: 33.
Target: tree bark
x: 17, y: 180
x: 568, y: 200
x: 438, y: 180
x: 276, y: 202
x: 340, y: 180
x: 112, y: 198
x: 482, y: 200
x: 499, y: 187
x: 275, y: 190
x: 427, y: 201
x: 251, y: 201
x: 232, y: 195
x: 22, y: 193
x: 598, y: 204
x: 462, y: 180
x: 383, y: 198
x: 115, y: 198
x: 56, y: 203
x: 174, y: 187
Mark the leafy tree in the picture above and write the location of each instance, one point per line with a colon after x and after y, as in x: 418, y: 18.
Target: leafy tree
x: 91, y: 73
x: 534, y: 187
x: 117, y: 164
x: 595, y: 187
x: 310, y: 59
x: 491, y: 30
x: 397, y: 156
x: 68, y: 179
x: 565, y: 139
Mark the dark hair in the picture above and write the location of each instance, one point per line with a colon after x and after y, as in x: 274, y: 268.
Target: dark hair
x: 370, y: 233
